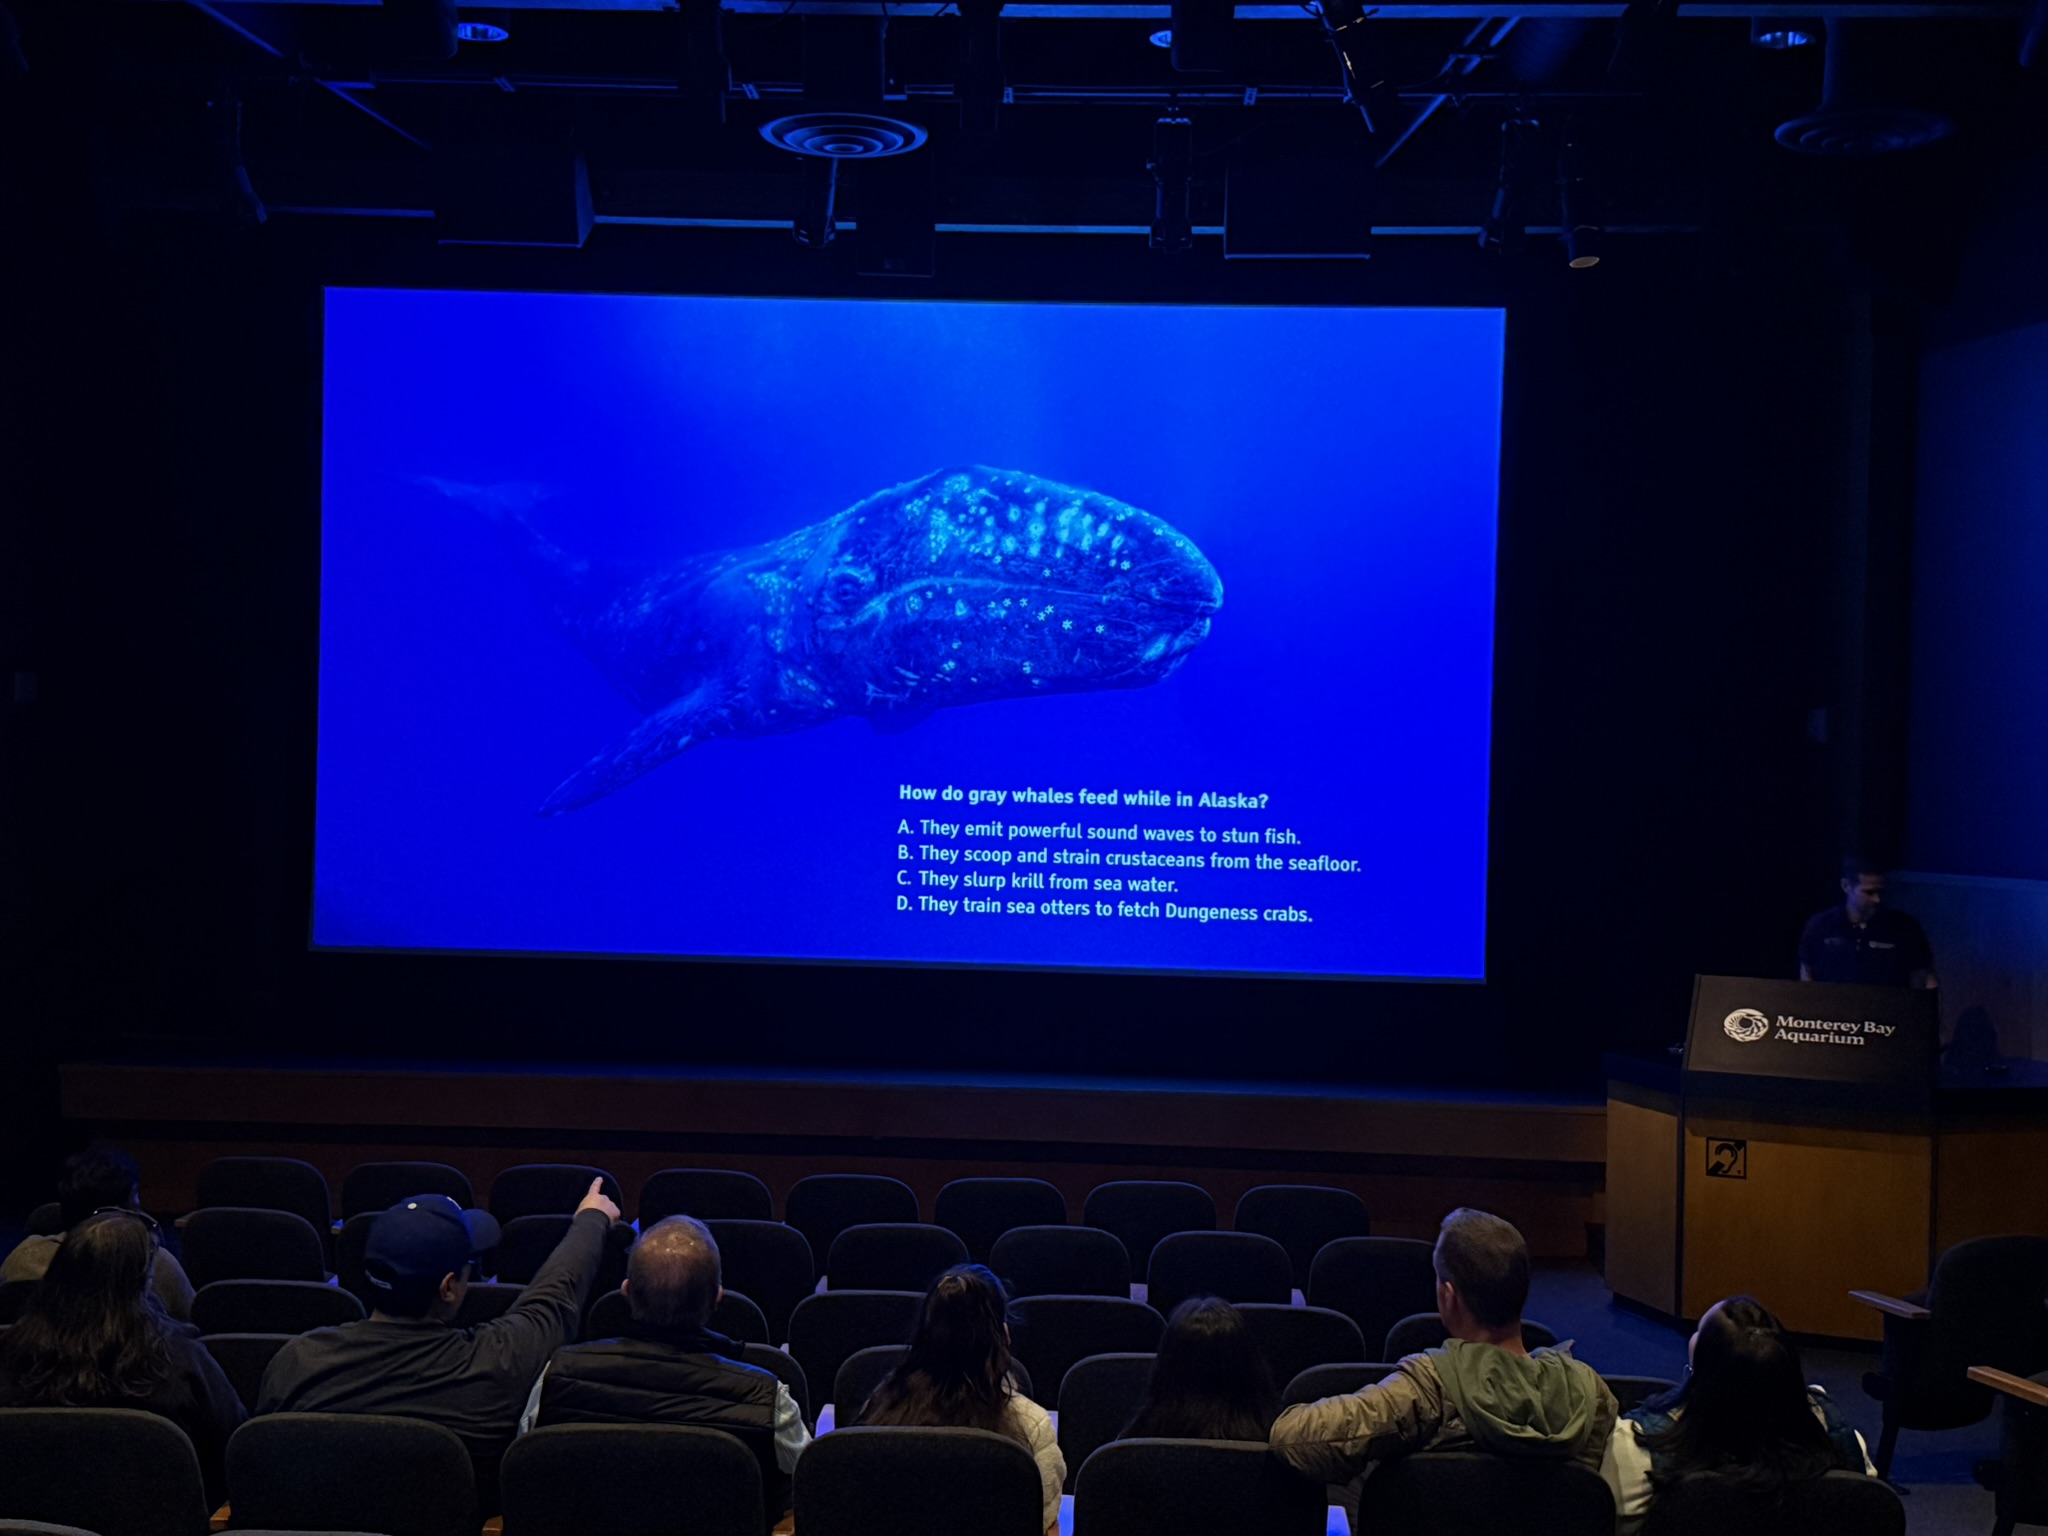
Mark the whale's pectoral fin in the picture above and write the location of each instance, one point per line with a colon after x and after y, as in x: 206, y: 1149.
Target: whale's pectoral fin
x: 671, y: 730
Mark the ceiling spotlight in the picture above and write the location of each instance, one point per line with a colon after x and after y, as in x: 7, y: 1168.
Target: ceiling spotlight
x: 1502, y: 231
x: 480, y: 32
x: 1778, y: 34
x: 1163, y: 38
x: 1860, y: 112
x: 1582, y: 232
x: 1173, y: 177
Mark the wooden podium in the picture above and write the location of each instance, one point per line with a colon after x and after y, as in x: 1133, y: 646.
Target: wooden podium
x: 1790, y: 1156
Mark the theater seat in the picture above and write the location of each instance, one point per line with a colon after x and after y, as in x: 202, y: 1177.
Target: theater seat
x: 1984, y: 1307
x: 891, y: 1256
x: 1336, y: 1379
x: 268, y: 1183
x: 770, y: 1262
x: 1237, y: 1266
x: 1049, y: 1333
x: 631, y: 1480
x: 825, y: 1205
x: 547, y: 1189
x: 1457, y: 1493
x: 722, y: 1194
x: 827, y: 1328
x: 1425, y: 1330
x: 782, y: 1365
x: 1142, y: 1211
x: 243, y: 1358
x: 374, y: 1187
x: 982, y: 1210
x: 917, y: 1482
x: 272, y: 1306
x: 1062, y: 1261
x: 1198, y: 1488
x: 1301, y: 1218
x: 735, y: 1316
x: 1374, y: 1281
x: 483, y: 1302
x: 1294, y: 1338
x: 1100, y: 1396
x: 112, y: 1471
x: 2022, y: 1492
x: 247, y: 1243
x: 365, y: 1472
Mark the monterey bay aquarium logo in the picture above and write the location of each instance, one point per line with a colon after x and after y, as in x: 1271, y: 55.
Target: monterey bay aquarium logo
x: 1746, y: 1024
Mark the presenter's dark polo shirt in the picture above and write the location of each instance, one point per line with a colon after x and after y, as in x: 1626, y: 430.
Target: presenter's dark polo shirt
x: 1884, y: 952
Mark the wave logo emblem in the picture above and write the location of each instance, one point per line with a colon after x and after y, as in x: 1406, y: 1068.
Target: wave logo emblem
x: 1745, y: 1025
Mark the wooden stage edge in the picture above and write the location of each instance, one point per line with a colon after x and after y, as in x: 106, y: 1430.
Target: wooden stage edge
x: 1412, y: 1154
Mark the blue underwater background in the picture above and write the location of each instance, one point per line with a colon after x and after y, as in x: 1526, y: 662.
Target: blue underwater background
x: 1338, y: 467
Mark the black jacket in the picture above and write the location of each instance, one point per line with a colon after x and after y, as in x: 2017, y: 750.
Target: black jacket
x: 661, y: 1376
x: 474, y: 1381
x: 196, y: 1397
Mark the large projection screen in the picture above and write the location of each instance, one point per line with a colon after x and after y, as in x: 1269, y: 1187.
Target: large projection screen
x: 1153, y: 638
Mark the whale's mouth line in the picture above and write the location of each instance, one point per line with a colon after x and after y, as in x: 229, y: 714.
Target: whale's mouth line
x: 1189, y: 606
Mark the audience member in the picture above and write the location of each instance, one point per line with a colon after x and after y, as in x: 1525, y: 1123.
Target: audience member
x: 95, y: 1336
x: 670, y: 1368
x: 1482, y: 1390
x: 1209, y: 1381
x: 958, y: 1373
x: 406, y: 1359
x: 1744, y: 1409
x: 99, y: 1178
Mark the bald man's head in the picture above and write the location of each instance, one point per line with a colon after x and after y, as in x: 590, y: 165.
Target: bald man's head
x: 672, y: 1276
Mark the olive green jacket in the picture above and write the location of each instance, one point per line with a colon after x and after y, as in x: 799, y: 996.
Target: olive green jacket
x: 1462, y: 1397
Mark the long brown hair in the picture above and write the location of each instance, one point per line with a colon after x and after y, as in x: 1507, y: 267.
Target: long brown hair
x: 92, y: 1332
x: 957, y: 1372
x: 1209, y: 1381
x: 1744, y: 1410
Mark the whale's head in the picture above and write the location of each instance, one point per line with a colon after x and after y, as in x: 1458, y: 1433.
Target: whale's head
x: 987, y: 583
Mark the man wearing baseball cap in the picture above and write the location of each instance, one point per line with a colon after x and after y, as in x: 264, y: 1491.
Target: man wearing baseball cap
x: 406, y: 1359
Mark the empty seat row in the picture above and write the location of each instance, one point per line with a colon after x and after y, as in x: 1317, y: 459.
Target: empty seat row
x: 1301, y: 1218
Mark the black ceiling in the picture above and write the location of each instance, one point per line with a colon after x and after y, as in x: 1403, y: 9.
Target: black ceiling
x: 1674, y: 105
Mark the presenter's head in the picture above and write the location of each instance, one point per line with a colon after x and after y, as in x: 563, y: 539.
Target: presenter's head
x: 1862, y: 888
x: 673, y: 1275
x: 1482, y: 1278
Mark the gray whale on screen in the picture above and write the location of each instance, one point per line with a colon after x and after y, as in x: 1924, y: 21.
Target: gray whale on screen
x: 963, y: 586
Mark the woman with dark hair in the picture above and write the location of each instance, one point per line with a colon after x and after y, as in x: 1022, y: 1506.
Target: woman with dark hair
x: 957, y: 1373
x: 1209, y: 1381
x: 94, y: 1336
x: 1744, y: 1410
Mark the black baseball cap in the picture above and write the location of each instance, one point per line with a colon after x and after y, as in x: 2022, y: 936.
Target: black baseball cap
x: 419, y: 1240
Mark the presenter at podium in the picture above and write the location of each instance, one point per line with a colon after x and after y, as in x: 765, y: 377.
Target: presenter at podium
x: 1863, y: 942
